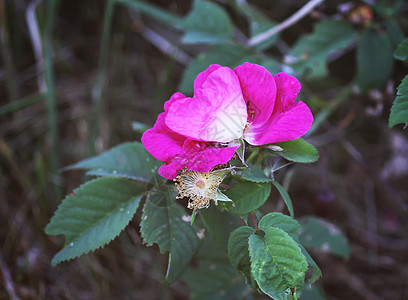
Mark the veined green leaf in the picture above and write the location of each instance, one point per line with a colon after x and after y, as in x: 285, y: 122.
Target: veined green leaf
x: 238, y: 251
x: 320, y: 234
x: 311, y: 52
x: 255, y: 174
x: 162, y: 223
x: 207, y: 23
x: 298, y: 151
x: 286, y: 223
x: 277, y: 263
x: 129, y: 160
x: 247, y: 197
x: 291, y: 227
x: 93, y: 215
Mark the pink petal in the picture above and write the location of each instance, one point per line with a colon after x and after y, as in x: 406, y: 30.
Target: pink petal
x: 202, y: 161
x: 288, y: 87
x: 202, y: 77
x: 205, y: 160
x: 285, y: 126
x: 192, y: 146
x: 170, y: 170
x: 259, y: 89
x: 216, y: 113
x: 161, y: 142
x: 173, y: 98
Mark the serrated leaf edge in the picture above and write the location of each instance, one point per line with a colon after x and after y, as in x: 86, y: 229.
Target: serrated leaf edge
x: 55, y: 261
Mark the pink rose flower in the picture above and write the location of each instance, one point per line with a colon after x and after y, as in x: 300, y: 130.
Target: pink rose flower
x: 250, y: 103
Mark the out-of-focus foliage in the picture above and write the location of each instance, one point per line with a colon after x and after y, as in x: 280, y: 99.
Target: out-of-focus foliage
x: 350, y: 58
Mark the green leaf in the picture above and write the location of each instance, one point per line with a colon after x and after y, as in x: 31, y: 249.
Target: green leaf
x: 163, y: 224
x: 219, y: 224
x: 320, y: 234
x: 247, y: 197
x: 277, y: 263
x: 129, y: 160
x: 298, y: 151
x: 215, y: 281
x: 207, y: 23
x: 255, y: 174
x: 316, y: 272
x: 93, y: 215
x: 222, y: 197
x: 401, y: 52
x: 285, y: 197
x: 375, y: 60
x: 399, y: 109
x: 286, y: 223
x: 238, y: 251
x: 311, y: 52
x: 240, y: 150
x: 403, y: 87
x: 291, y: 227
x: 229, y: 55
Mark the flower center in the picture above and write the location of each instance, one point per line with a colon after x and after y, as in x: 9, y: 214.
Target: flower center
x: 200, y: 188
x: 200, y: 184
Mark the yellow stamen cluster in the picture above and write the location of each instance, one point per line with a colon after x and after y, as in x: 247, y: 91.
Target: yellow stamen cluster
x: 200, y: 188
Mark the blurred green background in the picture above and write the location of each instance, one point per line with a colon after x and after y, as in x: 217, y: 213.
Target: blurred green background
x: 78, y: 77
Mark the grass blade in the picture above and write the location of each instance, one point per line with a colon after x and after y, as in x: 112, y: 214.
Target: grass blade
x: 98, y: 89
x: 50, y: 92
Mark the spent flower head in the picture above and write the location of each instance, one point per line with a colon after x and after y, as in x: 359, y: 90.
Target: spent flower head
x: 200, y: 188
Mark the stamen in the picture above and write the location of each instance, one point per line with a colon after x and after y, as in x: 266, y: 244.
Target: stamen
x: 247, y: 127
x: 200, y: 188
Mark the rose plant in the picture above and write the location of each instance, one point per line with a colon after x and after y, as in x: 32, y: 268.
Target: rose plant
x: 220, y: 149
